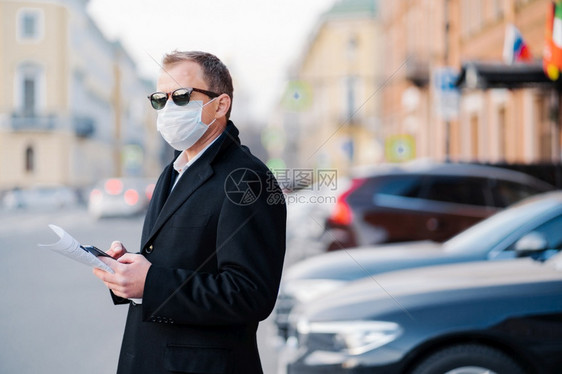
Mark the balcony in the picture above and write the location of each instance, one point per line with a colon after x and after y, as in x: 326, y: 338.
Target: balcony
x: 82, y: 126
x: 23, y: 122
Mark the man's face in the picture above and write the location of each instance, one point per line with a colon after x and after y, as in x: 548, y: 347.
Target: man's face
x: 186, y: 74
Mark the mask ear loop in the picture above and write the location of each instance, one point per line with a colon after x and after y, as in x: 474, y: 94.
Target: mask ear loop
x: 213, y: 121
x: 208, y: 102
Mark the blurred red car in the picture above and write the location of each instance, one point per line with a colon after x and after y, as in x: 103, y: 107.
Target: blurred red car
x: 422, y: 201
x: 120, y: 197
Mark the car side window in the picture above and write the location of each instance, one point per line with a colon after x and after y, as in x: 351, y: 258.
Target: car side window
x: 551, y: 231
x: 400, y: 185
x: 457, y: 189
x: 507, y: 192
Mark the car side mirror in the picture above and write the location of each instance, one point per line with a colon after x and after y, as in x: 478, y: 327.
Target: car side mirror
x: 531, y: 244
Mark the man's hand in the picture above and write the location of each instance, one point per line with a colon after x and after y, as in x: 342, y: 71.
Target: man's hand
x: 130, y: 272
x: 117, y: 250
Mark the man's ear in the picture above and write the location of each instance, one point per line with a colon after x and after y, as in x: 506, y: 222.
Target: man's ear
x: 224, y: 105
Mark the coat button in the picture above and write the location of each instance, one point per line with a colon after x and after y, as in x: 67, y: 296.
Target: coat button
x: 149, y: 249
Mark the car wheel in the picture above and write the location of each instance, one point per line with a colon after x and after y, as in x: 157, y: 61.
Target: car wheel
x: 468, y: 359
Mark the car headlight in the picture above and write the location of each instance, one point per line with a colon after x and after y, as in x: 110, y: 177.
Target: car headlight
x: 304, y: 290
x: 351, y: 337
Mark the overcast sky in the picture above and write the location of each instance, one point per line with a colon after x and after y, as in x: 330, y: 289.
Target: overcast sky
x: 257, y: 39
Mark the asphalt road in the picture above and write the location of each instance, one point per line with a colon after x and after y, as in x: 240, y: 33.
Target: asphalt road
x: 55, y: 316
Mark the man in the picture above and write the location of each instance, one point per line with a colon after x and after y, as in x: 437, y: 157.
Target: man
x: 213, y: 240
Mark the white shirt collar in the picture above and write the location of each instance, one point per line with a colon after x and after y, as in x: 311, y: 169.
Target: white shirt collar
x: 182, y: 163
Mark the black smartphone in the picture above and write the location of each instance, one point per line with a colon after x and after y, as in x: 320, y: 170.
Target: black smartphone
x: 95, y: 251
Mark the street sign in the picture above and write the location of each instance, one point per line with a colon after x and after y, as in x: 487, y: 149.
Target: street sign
x: 400, y: 148
x: 446, y: 94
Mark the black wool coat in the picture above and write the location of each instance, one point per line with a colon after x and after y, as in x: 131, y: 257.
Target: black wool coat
x: 216, y: 245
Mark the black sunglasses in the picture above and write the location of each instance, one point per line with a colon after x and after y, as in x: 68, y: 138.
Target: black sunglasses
x: 180, y: 97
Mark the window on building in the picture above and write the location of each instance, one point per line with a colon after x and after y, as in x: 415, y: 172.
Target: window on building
x: 519, y: 3
x: 465, y: 29
x: 502, y: 133
x: 498, y: 9
x: 29, y: 159
x: 30, y: 25
x: 474, y: 136
x: 544, y: 127
x: 472, y: 16
x: 545, y: 142
x: 478, y: 15
x: 350, y: 90
x: 29, y: 88
x: 412, y: 32
x: 351, y: 48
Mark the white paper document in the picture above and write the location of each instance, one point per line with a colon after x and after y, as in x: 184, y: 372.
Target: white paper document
x: 71, y: 248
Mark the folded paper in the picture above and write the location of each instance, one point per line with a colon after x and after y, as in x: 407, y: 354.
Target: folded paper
x: 71, y: 248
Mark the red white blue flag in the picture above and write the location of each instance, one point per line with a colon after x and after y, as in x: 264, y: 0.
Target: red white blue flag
x: 514, y: 48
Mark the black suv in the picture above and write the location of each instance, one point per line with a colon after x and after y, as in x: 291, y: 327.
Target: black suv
x: 422, y: 201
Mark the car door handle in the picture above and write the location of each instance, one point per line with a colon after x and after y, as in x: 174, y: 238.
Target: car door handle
x: 433, y: 224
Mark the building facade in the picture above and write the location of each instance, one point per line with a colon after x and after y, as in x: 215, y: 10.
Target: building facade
x: 491, y: 123
x: 71, y: 113
x: 330, y: 109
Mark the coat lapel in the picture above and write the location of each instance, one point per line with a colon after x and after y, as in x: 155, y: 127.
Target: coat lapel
x: 158, y: 200
x: 190, y: 181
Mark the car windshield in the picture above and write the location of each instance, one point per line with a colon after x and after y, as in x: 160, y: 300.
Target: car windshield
x: 489, y: 232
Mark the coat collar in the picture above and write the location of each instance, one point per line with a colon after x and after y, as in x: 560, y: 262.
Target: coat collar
x: 193, y: 178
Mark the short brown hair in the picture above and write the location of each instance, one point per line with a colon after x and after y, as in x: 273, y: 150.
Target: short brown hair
x: 216, y: 73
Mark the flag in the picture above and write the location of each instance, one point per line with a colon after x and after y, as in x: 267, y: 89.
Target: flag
x: 552, y: 54
x: 514, y: 48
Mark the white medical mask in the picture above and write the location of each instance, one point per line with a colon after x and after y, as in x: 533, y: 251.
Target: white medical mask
x: 181, y: 126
